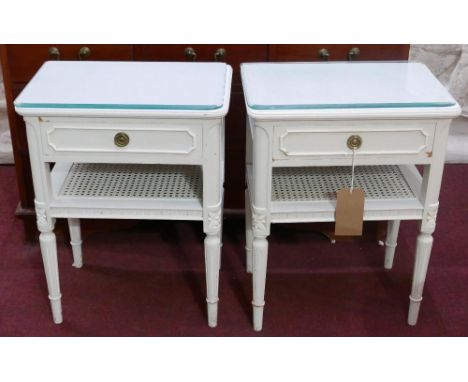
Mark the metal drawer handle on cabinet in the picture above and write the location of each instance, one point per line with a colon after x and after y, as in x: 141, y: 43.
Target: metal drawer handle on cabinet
x: 324, y: 54
x: 121, y: 139
x: 220, y: 54
x: 353, y: 53
x: 190, y: 53
x: 84, y: 52
x: 54, y: 53
x: 354, y: 142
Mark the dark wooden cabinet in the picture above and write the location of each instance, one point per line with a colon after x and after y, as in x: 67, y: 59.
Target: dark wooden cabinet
x: 233, y: 55
x: 20, y: 62
x: 25, y: 60
x: 332, y: 52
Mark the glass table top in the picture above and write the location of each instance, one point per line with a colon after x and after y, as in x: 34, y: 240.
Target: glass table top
x: 126, y: 85
x: 342, y: 85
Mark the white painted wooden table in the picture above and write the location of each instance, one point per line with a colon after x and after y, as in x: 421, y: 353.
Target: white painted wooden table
x: 130, y: 140
x: 300, y: 117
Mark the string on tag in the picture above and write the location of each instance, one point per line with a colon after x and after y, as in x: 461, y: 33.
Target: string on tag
x: 352, y: 172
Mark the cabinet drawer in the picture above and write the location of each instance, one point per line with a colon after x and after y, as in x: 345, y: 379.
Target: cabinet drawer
x: 156, y: 138
x: 330, y: 139
x: 338, y: 52
x: 25, y: 60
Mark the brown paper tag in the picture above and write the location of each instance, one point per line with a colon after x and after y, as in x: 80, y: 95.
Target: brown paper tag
x: 349, y: 213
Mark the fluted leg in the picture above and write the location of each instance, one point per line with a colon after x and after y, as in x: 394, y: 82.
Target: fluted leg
x: 75, y: 241
x: 391, y: 242
x: 49, y: 257
x: 221, y: 234
x: 421, y: 262
x: 248, y: 233
x: 212, y: 257
x: 260, y: 258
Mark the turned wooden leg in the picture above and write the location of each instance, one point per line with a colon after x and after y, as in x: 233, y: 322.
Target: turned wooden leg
x: 259, y: 263
x: 248, y: 233
x: 212, y: 257
x: 75, y: 241
x: 391, y: 242
x: 421, y: 262
x: 49, y: 257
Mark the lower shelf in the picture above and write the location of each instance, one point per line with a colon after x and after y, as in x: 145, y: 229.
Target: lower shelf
x: 93, y: 190
x: 301, y: 194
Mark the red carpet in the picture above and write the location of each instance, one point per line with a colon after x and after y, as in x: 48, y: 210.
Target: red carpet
x: 147, y: 279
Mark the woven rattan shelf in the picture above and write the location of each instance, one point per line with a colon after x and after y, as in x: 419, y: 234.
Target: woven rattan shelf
x: 143, y: 190
x: 300, y: 194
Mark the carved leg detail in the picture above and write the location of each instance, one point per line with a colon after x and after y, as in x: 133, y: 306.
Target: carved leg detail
x: 391, y: 242
x: 248, y: 233
x: 260, y: 258
x: 49, y: 257
x: 212, y: 258
x: 75, y: 241
x: 421, y: 262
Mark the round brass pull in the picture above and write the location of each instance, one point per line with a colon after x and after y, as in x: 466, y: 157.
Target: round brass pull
x: 353, y: 53
x: 54, y: 53
x: 190, y: 53
x: 324, y: 54
x: 84, y: 52
x: 220, y: 54
x: 354, y: 142
x: 121, y: 139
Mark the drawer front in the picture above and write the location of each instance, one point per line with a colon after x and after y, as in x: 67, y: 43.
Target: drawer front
x: 25, y: 60
x: 141, y: 138
x: 338, y: 52
x: 330, y: 139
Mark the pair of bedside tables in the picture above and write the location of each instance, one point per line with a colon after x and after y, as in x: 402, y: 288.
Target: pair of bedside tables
x: 145, y: 140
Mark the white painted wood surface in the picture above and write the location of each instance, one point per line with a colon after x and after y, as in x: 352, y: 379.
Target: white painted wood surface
x: 70, y: 134
x: 288, y: 136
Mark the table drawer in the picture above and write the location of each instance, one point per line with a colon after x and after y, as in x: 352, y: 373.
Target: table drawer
x: 163, y: 138
x: 330, y: 139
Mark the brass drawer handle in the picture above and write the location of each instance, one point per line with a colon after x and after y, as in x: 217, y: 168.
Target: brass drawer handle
x: 84, y: 52
x: 190, y: 53
x: 353, y: 53
x: 54, y: 53
x: 121, y: 139
x: 354, y: 142
x: 220, y: 54
x: 324, y: 54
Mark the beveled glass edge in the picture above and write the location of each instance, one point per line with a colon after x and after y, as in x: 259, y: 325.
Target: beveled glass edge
x: 351, y: 106
x: 115, y: 106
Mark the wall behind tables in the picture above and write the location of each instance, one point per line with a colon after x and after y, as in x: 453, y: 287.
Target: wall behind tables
x: 449, y: 63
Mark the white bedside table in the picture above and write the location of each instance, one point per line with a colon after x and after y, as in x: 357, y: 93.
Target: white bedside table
x: 130, y: 140
x: 305, y: 123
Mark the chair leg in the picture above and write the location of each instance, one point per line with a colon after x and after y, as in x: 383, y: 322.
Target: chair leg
x: 421, y: 262
x: 391, y: 242
x: 248, y: 233
x: 212, y: 258
x: 49, y: 257
x: 260, y: 259
x: 75, y: 241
